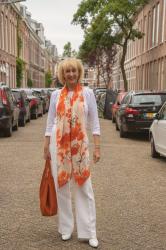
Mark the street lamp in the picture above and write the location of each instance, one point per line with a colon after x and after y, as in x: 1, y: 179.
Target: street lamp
x: 10, y: 1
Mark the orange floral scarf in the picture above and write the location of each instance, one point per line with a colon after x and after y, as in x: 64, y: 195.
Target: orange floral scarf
x: 72, y: 140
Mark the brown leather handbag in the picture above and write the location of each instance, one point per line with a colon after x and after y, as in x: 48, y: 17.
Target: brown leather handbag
x: 48, y: 198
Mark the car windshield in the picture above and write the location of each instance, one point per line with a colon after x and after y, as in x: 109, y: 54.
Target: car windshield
x: 36, y: 93
x: 163, y: 98
x: 16, y: 95
x: 28, y: 91
x: 147, y: 99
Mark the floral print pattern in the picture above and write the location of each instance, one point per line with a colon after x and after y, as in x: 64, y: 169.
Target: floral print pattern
x: 72, y: 140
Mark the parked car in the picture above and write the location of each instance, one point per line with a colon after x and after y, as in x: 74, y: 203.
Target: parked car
x: 44, y: 98
x: 98, y: 92
x: 49, y: 91
x: 117, y: 104
x: 9, y: 111
x: 137, y: 111
x: 158, y: 133
x: 109, y: 101
x: 35, y: 102
x: 101, y: 105
x: 24, y: 106
x: 98, y: 89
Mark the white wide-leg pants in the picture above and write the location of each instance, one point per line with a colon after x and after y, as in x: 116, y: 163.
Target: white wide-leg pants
x: 84, y: 203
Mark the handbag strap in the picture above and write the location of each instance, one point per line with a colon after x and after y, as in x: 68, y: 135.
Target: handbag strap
x: 48, y: 167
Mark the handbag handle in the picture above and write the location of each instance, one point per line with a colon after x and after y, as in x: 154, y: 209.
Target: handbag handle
x: 48, y: 167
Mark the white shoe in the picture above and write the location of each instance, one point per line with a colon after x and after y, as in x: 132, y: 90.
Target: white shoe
x: 66, y: 236
x: 93, y: 242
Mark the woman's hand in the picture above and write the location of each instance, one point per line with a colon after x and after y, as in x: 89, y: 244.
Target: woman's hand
x: 47, y: 152
x: 46, y: 148
x: 96, y: 154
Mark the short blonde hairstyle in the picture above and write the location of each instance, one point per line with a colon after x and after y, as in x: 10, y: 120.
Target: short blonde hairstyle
x: 70, y: 62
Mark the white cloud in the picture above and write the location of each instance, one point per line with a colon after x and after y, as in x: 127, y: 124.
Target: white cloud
x: 56, y: 17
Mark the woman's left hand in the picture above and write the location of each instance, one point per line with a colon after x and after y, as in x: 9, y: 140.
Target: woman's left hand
x: 96, y: 155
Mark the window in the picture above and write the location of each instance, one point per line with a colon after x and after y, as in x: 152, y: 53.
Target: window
x: 147, y: 99
x: 149, y: 31
x: 153, y: 27
x: 145, y: 33
x: 126, y: 99
x: 157, y: 22
x: 2, y: 26
x: 163, y: 20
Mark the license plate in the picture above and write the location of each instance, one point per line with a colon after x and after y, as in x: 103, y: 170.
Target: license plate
x: 149, y: 115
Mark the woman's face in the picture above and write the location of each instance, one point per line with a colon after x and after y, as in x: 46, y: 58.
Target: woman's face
x: 71, y: 75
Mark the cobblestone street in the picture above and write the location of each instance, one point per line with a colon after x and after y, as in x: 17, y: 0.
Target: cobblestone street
x: 129, y: 186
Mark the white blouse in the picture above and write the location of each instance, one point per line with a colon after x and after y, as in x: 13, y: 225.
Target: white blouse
x: 91, y: 114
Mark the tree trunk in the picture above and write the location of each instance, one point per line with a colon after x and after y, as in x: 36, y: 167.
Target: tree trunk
x: 122, y: 65
x: 98, y: 71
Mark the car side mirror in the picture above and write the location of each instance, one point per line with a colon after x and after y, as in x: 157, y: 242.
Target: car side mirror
x: 156, y: 116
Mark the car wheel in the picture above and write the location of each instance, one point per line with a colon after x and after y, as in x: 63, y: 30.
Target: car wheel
x: 8, y: 131
x: 116, y: 126
x: 22, y: 122
x: 35, y: 116
x: 41, y: 114
x: 113, y: 119
x: 154, y: 153
x: 15, y: 128
x: 44, y: 109
x: 123, y: 134
x: 29, y: 117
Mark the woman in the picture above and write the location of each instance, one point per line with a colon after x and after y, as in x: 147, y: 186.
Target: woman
x: 66, y: 143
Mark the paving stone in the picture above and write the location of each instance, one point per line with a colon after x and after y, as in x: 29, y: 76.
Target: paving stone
x: 129, y: 187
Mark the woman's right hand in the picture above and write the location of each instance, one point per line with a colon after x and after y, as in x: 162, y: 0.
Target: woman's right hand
x: 47, y: 155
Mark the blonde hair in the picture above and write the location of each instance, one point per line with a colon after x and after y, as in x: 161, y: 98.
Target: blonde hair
x: 70, y: 62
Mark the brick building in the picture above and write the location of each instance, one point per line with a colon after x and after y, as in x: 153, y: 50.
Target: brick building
x: 22, y: 37
x: 145, y: 63
x: 8, y: 44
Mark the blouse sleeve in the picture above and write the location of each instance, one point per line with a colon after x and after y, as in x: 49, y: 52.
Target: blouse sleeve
x: 51, y: 113
x: 93, y: 114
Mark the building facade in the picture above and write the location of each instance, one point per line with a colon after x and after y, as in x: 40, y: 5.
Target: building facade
x: 22, y: 38
x: 145, y: 62
x: 8, y: 44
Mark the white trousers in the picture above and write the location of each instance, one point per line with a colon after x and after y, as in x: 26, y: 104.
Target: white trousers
x: 84, y: 203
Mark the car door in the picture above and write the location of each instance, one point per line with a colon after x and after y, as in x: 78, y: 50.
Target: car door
x: 161, y: 131
x: 122, y: 108
x: 16, y: 109
x: 10, y: 103
x: 26, y: 104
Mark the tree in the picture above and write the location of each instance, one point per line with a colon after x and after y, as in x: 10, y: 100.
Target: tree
x: 97, y: 51
x: 68, y: 52
x: 20, y: 64
x: 48, y: 79
x: 19, y: 71
x: 118, y: 24
x: 29, y: 83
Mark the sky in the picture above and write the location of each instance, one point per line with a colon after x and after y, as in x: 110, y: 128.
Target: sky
x: 56, y: 17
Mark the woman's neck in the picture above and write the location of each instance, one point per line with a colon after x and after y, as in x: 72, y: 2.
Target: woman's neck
x: 71, y: 87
